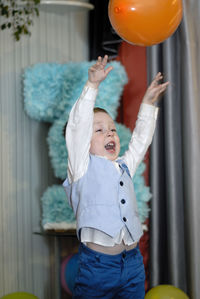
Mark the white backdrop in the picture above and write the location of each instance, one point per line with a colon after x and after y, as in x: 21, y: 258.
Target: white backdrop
x: 27, y: 260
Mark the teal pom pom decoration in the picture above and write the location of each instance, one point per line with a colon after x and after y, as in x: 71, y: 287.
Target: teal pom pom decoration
x: 142, y: 193
x: 56, y: 208
x: 124, y: 135
x: 51, y: 89
x: 57, y: 148
x: 42, y: 91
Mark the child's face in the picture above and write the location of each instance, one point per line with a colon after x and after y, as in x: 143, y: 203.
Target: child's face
x: 105, y: 141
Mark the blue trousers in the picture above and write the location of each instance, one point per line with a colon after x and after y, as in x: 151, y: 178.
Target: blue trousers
x: 109, y: 276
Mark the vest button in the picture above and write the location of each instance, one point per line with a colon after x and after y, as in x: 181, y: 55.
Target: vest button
x: 123, y: 201
x: 124, y: 218
x: 121, y: 183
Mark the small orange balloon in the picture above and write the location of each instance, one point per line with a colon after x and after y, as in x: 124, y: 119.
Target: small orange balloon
x: 145, y: 22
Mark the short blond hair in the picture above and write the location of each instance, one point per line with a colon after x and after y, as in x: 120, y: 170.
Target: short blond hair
x: 98, y: 109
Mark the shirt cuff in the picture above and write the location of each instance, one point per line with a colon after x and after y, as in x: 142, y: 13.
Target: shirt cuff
x: 148, y: 110
x: 89, y: 92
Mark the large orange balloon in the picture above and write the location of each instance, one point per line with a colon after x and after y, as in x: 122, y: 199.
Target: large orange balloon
x: 145, y: 22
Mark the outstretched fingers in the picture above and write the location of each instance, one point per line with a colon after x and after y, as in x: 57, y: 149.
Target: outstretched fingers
x: 98, y: 72
x: 155, y: 84
x: 104, y: 60
x: 159, y: 89
x: 108, y: 70
x: 163, y: 86
x: 156, y: 80
x: 101, y: 64
x: 155, y: 89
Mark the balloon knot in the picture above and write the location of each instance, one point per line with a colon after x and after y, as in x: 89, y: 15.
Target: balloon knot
x: 117, y: 9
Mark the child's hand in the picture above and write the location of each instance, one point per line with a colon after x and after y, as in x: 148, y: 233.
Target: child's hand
x: 97, y: 72
x: 154, y: 90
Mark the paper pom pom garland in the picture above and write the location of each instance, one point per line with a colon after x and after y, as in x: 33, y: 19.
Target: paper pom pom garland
x: 56, y: 209
x: 57, y: 148
x: 50, y: 91
x: 42, y: 91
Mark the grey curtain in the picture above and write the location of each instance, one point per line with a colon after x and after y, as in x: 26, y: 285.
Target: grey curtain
x: 175, y: 159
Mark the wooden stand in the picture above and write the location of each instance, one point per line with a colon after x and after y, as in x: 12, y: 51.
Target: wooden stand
x: 65, y: 243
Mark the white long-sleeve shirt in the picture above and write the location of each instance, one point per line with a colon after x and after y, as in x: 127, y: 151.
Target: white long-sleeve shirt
x: 78, y: 138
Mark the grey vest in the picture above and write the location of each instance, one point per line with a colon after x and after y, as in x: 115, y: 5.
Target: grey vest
x: 104, y: 199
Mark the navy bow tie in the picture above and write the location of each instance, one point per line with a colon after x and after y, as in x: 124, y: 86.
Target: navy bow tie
x: 124, y: 168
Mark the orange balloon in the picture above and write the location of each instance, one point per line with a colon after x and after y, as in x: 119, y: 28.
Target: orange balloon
x: 145, y: 22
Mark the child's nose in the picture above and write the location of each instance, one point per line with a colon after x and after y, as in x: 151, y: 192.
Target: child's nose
x: 110, y: 133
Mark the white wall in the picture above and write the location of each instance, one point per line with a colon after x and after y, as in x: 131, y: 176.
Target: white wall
x: 26, y: 260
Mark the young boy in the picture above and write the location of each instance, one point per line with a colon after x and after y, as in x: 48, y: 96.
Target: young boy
x: 100, y: 189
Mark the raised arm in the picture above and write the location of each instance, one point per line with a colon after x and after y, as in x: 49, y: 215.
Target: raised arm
x: 80, y: 124
x: 145, y: 125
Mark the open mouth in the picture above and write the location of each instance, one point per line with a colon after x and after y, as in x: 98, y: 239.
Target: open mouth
x: 110, y: 147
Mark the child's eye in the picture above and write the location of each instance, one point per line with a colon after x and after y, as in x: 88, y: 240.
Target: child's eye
x: 98, y: 130
x: 113, y: 130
